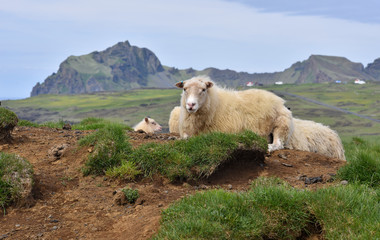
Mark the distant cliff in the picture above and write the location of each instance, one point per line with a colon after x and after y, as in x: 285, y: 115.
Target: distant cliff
x: 122, y: 67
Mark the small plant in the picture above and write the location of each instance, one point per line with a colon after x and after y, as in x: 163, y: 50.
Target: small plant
x: 8, y: 120
x: 131, y: 194
x: 127, y: 170
x: 111, y: 147
x: 15, y: 178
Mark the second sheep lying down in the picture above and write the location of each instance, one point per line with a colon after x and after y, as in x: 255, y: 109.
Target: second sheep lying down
x: 315, y: 137
x: 206, y: 107
x: 148, y: 125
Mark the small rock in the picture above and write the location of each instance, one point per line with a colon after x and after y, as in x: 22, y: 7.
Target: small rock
x: 287, y: 165
x: 54, y: 228
x: 282, y: 156
x: 17, y: 225
x: 166, y: 192
x: 313, y: 180
x: 4, y: 236
x: 229, y: 186
x: 67, y: 126
x: 160, y: 205
x: 202, y: 186
x: 54, y: 221
x: 344, y: 182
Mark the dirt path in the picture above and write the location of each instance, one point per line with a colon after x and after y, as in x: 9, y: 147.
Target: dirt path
x: 70, y: 206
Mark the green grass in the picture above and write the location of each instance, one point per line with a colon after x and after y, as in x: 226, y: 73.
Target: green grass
x: 12, y: 169
x: 131, y: 194
x: 363, y: 159
x: 128, y: 107
x: 111, y: 147
x: 194, y: 158
x: 347, y: 212
x: 272, y: 209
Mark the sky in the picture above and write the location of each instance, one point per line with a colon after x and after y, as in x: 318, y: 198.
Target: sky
x: 242, y: 35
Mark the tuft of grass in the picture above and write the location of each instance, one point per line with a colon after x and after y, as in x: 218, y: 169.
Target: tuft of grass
x: 8, y: 120
x: 26, y: 123
x: 363, y: 162
x: 127, y: 170
x: 111, y: 148
x: 264, y: 212
x: 347, y: 212
x: 131, y: 194
x: 93, y: 123
x: 14, y: 172
x: 195, y: 157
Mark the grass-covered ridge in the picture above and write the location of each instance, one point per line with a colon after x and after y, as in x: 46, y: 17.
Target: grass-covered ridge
x: 271, y: 209
x: 194, y: 158
x: 15, y: 178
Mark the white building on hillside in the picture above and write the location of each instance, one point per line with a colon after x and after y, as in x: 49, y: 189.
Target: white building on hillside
x: 358, y: 81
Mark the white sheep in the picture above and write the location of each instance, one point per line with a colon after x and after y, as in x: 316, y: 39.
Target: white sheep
x: 174, y: 120
x: 206, y: 107
x: 148, y: 125
x: 315, y: 137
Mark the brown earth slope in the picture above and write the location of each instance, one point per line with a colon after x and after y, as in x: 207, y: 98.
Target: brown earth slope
x: 69, y: 206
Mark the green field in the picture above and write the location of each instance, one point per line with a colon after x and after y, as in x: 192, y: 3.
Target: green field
x: 131, y: 106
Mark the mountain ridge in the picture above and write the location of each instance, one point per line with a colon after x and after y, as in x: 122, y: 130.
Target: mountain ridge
x: 123, y: 67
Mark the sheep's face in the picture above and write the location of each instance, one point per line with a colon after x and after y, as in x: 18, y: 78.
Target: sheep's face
x: 153, y: 124
x: 194, y: 93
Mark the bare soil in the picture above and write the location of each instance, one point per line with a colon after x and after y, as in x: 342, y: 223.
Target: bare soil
x: 68, y: 205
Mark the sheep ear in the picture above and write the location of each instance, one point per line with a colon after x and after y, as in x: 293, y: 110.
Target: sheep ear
x: 179, y: 84
x: 209, y: 84
x: 146, y: 120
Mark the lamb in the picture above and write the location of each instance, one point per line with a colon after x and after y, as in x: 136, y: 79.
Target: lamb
x: 174, y: 120
x: 205, y: 107
x: 315, y: 137
x: 148, y: 125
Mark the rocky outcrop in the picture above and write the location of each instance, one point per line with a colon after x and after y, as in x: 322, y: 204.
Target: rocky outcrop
x: 119, y: 67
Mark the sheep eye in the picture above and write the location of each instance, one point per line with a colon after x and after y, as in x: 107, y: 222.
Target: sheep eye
x: 184, y: 89
x: 153, y: 123
x: 204, y: 90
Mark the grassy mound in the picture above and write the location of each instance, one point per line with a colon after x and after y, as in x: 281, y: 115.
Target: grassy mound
x: 8, y: 120
x: 272, y: 209
x: 194, y: 158
x: 15, y: 179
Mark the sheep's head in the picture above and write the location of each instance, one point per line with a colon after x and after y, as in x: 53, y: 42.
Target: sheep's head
x: 153, y: 124
x: 195, y: 92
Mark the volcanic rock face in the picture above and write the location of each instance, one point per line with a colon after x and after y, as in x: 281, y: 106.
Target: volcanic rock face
x: 119, y: 67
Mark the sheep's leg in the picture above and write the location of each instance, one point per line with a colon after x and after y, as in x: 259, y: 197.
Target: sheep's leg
x: 282, y: 131
x: 276, y: 145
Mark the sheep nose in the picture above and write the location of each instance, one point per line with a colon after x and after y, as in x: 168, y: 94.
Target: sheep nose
x: 191, y: 104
